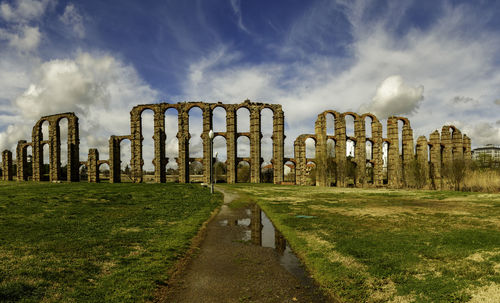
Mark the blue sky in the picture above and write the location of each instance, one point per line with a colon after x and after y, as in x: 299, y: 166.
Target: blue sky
x: 435, y: 62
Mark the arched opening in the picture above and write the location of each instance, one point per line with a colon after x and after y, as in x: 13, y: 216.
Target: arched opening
x: 29, y: 162
x: 243, y: 120
x: 195, y: 171
x: 172, y: 144
x: 45, y: 130
x: 266, y: 173
x: 103, y: 169
x: 368, y: 127
x: 243, y: 172
x: 125, y: 154
x: 220, y: 158
x: 350, y: 149
x: 349, y: 126
x: 311, y: 173
x: 219, y: 119
x: 331, y: 165
x: 369, y: 150
x: 83, y: 173
x: 289, y: 172
x: 45, y: 169
x: 385, y: 153
x: 310, y: 148
x: 195, y: 130
x: 369, y: 173
x: 243, y: 147
x: 400, y: 136
x: 266, y: 143
x: 267, y: 168
x: 330, y: 124
x: 63, y: 135
x: 148, y: 151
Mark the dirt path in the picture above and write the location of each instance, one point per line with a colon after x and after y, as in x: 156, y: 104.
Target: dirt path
x: 228, y: 268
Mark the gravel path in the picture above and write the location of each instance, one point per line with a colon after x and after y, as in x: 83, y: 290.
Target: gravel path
x: 228, y: 268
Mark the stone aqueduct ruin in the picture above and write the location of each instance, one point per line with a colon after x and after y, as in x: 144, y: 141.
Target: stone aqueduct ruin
x: 431, y: 155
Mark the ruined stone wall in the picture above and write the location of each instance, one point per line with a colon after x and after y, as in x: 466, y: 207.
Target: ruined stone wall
x: 430, y: 155
x: 7, y: 165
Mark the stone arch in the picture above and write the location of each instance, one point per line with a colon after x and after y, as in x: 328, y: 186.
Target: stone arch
x: 104, y: 170
x: 243, y: 171
x: 83, y: 171
x: 148, y: 141
x: 172, y: 132
x: 289, y: 172
x: 369, y: 149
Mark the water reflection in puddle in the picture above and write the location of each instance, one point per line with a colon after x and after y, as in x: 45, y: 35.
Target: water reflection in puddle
x: 263, y: 233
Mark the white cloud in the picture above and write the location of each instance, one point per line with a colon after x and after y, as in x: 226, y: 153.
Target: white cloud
x: 23, y: 10
x: 394, y: 97
x: 71, y: 17
x: 23, y: 38
x: 236, y: 5
x: 483, y: 133
x: 100, y: 89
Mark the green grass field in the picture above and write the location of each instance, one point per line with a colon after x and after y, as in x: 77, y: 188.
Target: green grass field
x: 391, y: 245
x: 94, y: 242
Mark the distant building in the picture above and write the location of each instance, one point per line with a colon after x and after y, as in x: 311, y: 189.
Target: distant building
x: 487, y: 156
x: 489, y: 151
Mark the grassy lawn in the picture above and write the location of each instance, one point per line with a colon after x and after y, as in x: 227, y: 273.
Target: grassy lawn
x: 391, y: 245
x: 85, y: 242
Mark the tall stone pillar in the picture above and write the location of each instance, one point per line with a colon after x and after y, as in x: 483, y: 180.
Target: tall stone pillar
x: 458, y: 145
x: 377, y: 154
x: 7, y: 165
x: 467, y: 148
x: 183, y: 139
x: 278, y: 144
x: 231, y: 143
x: 422, y: 159
x: 394, y: 171
x: 207, y: 126
x: 55, y: 150
x: 255, y: 144
x: 92, y: 166
x: 159, y: 138
x: 321, y: 153
x: 360, y: 151
x: 22, y: 160
x: 435, y: 169
x: 447, y: 144
x: 73, y: 168
x: 114, y: 160
x: 408, y: 152
x: 301, y: 161
x: 340, y: 151
x: 136, y: 161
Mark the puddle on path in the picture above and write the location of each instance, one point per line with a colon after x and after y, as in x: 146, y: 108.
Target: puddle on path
x: 261, y: 232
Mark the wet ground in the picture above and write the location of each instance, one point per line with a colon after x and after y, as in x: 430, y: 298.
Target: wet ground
x: 242, y: 259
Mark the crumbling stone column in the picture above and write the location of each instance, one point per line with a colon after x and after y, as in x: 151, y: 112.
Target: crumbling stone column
x: 54, y: 150
x: 255, y: 150
x: 159, y: 137
x: 278, y: 144
x: 36, y: 139
x: 114, y: 160
x: 73, y: 165
x: 435, y: 169
x: 360, y: 150
x: 183, y: 137
x: 207, y: 126
x: 467, y: 148
x: 22, y: 160
x: 231, y: 143
x: 92, y: 166
x: 300, y: 158
x: 377, y: 153
x: 7, y: 165
x: 408, y: 151
x: 393, y: 158
x: 136, y: 161
x: 458, y: 145
x: 422, y: 160
x: 321, y: 155
x: 340, y: 150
